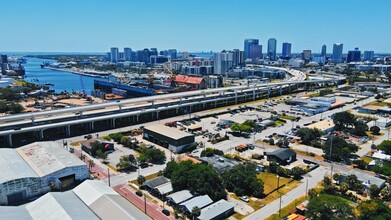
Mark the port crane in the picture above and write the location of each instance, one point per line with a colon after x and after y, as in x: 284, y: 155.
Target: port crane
x: 172, y: 75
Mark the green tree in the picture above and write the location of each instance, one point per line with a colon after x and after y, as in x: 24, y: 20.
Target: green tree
x: 375, y: 130
x: 101, y: 155
x: 374, y: 191
x: 343, y: 188
x: 297, y: 172
x: 341, y: 150
x: 373, y: 210
x: 198, y: 178
x: 385, y: 146
x: 242, y: 180
x: 343, y: 120
x: 360, y: 128
x: 141, y: 179
x: 91, y: 164
x: 195, y: 212
x: 95, y: 146
x: 116, y: 137
x: 127, y: 162
x: 326, y: 207
x: 209, y: 152
x: 312, y: 193
x: 307, y: 135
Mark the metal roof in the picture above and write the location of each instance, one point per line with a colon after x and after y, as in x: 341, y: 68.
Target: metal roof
x: 48, y: 157
x: 283, y: 153
x: 165, y: 188
x: 216, y: 209
x: 105, y: 202
x: 180, y: 196
x: 167, y: 131
x: 199, y: 201
x: 58, y: 206
x: 155, y: 182
x: 14, y: 213
x: 12, y: 166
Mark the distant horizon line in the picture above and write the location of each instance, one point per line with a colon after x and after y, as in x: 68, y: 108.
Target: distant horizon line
x: 180, y: 52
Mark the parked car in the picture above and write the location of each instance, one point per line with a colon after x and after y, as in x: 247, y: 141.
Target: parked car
x: 244, y: 199
x: 166, y: 212
x: 139, y: 193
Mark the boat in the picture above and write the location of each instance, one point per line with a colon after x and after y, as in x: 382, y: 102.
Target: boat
x: 49, y: 84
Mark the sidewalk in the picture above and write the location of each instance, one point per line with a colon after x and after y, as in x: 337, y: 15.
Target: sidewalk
x: 153, y: 210
x: 98, y: 169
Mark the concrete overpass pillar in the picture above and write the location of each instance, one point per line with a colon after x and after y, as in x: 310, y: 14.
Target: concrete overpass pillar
x: 268, y: 92
x: 41, y: 134
x: 9, y: 138
x: 216, y: 103
x: 113, y: 123
x: 153, y: 102
x: 68, y: 130
x: 236, y: 97
x: 137, y: 117
x: 157, y: 115
x: 180, y: 99
x: 289, y: 88
x: 92, y: 125
x: 281, y: 90
x: 254, y: 94
x: 177, y: 109
x: 120, y: 107
x: 32, y: 119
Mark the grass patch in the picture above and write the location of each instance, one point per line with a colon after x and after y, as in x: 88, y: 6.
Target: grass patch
x: 278, y: 122
x: 288, y: 117
x: 270, y: 181
x: 304, y: 153
x: 383, y: 104
x: 366, y: 159
x: 77, y: 143
x: 112, y: 167
x: 285, y: 211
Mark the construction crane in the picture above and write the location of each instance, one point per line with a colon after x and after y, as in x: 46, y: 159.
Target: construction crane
x: 150, y: 78
x: 172, y: 75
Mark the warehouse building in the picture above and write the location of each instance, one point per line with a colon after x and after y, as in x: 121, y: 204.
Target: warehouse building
x: 36, y: 169
x: 90, y: 200
x: 171, y: 138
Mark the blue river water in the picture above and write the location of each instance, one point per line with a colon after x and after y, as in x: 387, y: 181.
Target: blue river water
x: 63, y: 81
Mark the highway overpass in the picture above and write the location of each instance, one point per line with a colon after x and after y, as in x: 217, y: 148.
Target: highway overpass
x: 138, y: 110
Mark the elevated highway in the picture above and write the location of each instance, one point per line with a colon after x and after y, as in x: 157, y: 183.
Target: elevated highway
x: 138, y: 110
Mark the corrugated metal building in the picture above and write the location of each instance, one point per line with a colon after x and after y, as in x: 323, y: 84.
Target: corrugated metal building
x: 90, y: 200
x: 36, y: 169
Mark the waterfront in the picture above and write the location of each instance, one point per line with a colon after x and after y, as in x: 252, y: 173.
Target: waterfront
x: 63, y: 81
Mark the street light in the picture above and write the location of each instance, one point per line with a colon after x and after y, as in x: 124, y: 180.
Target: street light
x: 278, y: 191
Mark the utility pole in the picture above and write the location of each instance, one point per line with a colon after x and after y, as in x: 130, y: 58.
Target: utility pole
x: 331, y: 149
x: 108, y: 173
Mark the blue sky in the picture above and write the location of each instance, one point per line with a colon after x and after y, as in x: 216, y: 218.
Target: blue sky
x: 198, y: 25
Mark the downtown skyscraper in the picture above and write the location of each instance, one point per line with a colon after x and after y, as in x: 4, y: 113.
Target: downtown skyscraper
x: 114, y: 54
x: 222, y: 62
x: 272, y: 49
x: 247, y: 46
x: 286, y: 50
x: 337, y: 53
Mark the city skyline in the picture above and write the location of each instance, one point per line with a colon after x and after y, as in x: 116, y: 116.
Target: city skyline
x: 94, y: 26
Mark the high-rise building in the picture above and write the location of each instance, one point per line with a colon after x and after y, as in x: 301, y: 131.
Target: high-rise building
x: 153, y: 51
x: 272, y: 49
x: 337, y: 53
x: 247, y: 45
x: 354, y: 55
x: 222, y: 62
x: 172, y: 53
x: 286, y: 50
x: 127, y: 54
x: 185, y: 55
x: 368, y: 55
x: 255, y: 52
x: 121, y: 56
x: 238, y: 57
x: 306, y: 55
x: 324, y: 51
x: 114, y: 52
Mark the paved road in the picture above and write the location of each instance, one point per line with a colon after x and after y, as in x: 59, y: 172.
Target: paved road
x: 153, y: 210
x: 273, y: 207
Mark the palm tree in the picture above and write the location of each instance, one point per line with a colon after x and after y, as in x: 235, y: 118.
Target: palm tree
x: 91, y: 164
x: 195, y: 212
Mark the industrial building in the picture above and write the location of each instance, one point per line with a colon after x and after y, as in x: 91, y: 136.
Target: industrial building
x: 199, y: 201
x: 283, y: 156
x: 90, y: 200
x: 171, y: 138
x: 36, y: 169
